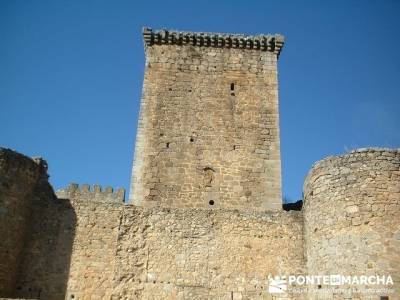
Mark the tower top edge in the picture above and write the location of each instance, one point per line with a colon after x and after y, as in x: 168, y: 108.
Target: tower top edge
x: 262, y: 42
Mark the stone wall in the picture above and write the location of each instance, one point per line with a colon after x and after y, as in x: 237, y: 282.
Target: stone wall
x: 94, y: 249
x: 208, y: 133
x: 127, y: 252
x: 70, y: 249
x: 46, y: 260
x: 23, y: 183
x: 88, y: 244
x: 200, y: 254
x: 117, y: 251
x: 352, y: 217
x: 54, y: 248
x: 95, y: 193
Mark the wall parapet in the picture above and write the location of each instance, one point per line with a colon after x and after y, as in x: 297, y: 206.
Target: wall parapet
x: 92, y: 193
x: 348, y: 160
x: 263, y: 42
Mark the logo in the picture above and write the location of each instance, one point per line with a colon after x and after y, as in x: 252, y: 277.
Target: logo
x: 296, y: 284
x: 277, y: 284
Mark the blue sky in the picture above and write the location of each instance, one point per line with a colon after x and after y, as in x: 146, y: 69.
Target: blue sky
x: 71, y: 75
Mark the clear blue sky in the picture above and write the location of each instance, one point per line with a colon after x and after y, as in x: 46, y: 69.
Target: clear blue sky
x: 71, y: 75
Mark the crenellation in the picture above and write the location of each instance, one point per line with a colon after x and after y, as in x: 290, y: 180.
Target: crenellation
x: 271, y: 43
x: 92, y: 193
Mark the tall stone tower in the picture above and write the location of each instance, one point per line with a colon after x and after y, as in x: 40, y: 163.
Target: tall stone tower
x: 208, y: 133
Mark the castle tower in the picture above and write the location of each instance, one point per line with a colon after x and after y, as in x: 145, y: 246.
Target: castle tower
x: 208, y: 133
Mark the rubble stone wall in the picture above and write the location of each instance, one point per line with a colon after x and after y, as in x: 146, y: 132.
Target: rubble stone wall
x: 127, y: 252
x: 352, y: 217
x: 118, y: 251
x: 45, y: 266
x: 88, y: 244
x: 95, y: 242
x: 22, y: 183
x: 200, y: 254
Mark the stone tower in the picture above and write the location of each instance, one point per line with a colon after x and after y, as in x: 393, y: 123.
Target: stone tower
x: 208, y: 133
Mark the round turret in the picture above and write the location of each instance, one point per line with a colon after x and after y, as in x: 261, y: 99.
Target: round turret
x: 352, y: 218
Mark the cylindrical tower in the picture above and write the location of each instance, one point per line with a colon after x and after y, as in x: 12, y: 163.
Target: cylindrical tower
x: 352, y: 221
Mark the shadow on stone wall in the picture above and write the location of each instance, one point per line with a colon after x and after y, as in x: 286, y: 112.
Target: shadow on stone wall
x: 44, y: 271
x: 36, y: 230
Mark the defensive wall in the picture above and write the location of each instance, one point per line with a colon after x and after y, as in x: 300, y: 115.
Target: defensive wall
x: 88, y: 244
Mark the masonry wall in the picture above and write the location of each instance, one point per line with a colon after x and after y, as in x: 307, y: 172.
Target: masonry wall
x: 70, y: 249
x: 23, y: 181
x: 352, y: 218
x: 46, y: 255
x: 200, y: 254
x: 208, y: 133
x: 126, y: 252
x: 98, y: 212
x: 88, y: 244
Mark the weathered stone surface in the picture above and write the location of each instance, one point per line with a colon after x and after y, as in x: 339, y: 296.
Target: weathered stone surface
x: 23, y: 183
x: 159, y: 253
x: 173, y: 253
x: 93, y: 246
x: 208, y: 132
x: 352, y: 215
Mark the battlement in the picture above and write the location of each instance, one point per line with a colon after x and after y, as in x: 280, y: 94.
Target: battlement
x: 272, y: 43
x: 92, y: 193
x: 356, y: 155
